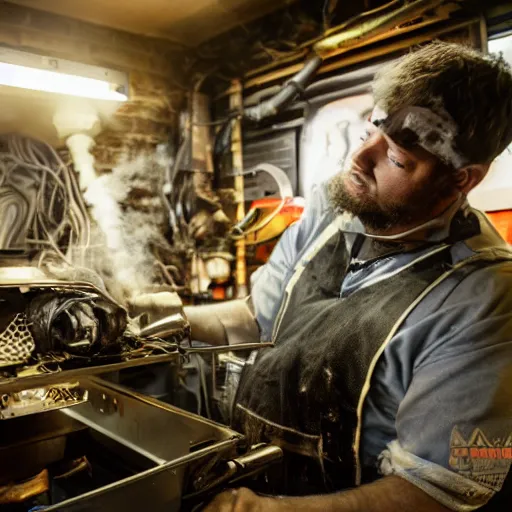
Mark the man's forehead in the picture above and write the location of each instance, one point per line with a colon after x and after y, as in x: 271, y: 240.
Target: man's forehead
x: 404, y: 142
x: 421, y: 127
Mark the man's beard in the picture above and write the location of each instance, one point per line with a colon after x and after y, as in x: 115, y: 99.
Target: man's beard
x: 381, y: 217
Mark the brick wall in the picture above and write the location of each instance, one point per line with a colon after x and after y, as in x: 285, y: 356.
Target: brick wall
x: 154, y: 66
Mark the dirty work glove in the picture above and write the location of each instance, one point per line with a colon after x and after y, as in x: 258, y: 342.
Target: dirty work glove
x: 155, y: 305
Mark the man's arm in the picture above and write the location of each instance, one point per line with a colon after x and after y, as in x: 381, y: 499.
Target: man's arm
x: 226, y: 323
x: 238, y: 321
x: 390, y: 494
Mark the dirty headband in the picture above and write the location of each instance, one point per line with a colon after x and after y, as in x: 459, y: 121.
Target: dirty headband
x: 433, y: 132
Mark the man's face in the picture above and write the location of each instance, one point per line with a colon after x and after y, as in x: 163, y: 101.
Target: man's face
x: 387, y: 186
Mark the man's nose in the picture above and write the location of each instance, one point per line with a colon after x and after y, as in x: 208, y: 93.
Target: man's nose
x: 366, y: 155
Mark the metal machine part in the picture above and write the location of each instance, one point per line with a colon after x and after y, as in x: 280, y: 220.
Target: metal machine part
x: 59, y: 350
x: 280, y: 177
x: 30, y: 380
x: 165, y: 327
x: 140, y: 453
x: 276, y: 146
x: 255, y: 221
x: 31, y: 401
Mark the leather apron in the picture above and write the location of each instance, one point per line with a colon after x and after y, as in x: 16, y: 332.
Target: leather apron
x: 306, y: 392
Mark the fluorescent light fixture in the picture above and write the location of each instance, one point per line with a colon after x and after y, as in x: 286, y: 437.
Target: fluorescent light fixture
x: 38, y: 73
x: 51, y: 81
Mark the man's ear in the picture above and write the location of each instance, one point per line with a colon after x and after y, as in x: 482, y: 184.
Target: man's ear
x: 467, y: 178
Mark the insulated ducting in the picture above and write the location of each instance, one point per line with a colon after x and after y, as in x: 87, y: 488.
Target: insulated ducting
x: 286, y: 95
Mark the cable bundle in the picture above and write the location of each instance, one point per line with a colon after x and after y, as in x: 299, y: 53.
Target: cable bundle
x: 40, y: 202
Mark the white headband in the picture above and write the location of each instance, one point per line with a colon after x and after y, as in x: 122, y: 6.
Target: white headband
x: 435, y: 133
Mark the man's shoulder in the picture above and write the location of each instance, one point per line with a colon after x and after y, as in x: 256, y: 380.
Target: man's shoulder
x: 488, y: 279
x: 463, y: 315
x: 488, y: 261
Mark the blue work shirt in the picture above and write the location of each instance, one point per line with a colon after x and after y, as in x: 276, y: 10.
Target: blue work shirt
x: 439, y: 410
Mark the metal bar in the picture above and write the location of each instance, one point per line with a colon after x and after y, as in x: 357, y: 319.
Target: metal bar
x: 253, y: 462
x: 236, y: 104
x: 484, y: 37
x: 227, y: 348
x: 165, y: 326
x: 46, y: 379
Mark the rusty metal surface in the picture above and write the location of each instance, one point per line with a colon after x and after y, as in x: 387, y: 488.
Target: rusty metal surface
x: 18, y: 493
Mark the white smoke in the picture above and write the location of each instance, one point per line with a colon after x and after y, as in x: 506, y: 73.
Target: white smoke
x: 130, y: 226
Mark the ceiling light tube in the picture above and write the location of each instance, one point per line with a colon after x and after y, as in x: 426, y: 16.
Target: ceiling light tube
x: 39, y: 73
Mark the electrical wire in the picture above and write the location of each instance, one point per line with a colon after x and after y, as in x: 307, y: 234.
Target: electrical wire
x: 57, y: 223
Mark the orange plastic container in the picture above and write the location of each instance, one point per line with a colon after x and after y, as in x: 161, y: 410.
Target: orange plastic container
x: 502, y: 221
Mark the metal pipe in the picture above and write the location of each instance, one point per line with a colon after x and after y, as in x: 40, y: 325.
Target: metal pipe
x: 249, y: 464
x: 287, y: 93
x: 226, y: 348
x: 256, y: 97
x: 311, y: 42
x: 342, y: 93
x: 360, y: 57
x: 373, y: 27
x: 350, y: 79
x: 165, y: 327
x: 236, y: 104
x: 288, y: 125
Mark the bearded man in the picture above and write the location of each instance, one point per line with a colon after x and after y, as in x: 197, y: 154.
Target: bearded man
x: 389, y: 305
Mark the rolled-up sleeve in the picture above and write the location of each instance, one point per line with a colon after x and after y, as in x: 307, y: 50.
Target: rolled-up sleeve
x: 454, y: 425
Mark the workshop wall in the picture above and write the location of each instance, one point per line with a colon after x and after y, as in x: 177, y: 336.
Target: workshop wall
x: 154, y: 66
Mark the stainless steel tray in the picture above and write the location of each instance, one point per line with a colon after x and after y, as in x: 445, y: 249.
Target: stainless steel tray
x: 173, y: 450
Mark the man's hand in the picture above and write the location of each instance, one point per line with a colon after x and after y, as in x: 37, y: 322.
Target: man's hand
x: 242, y: 500
x: 389, y: 494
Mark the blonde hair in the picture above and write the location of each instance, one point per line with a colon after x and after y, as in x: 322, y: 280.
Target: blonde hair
x: 475, y: 89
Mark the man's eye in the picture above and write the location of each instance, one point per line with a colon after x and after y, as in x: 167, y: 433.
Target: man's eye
x: 395, y: 162
x: 366, y: 134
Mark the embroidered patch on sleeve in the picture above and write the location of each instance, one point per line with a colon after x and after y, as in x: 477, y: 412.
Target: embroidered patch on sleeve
x: 487, y: 462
